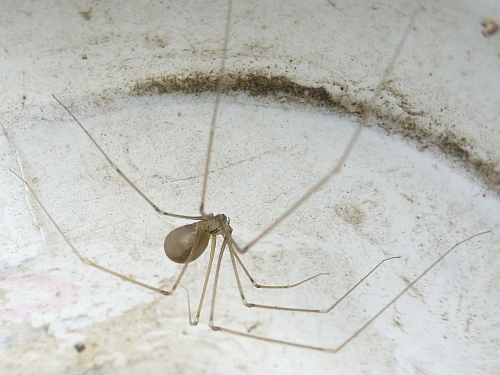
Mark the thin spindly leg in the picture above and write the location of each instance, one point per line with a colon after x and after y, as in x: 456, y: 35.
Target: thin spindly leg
x: 350, y: 338
x: 107, y: 270
x: 118, y: 170
x: 261, y: 286
x: 345, y: 155
x: 233, y: 254
x: 196, y: 319
x: 213, y: 123
x: 238, y: 333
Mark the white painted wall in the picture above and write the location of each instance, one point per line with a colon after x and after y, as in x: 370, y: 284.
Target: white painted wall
x: 408, y: 203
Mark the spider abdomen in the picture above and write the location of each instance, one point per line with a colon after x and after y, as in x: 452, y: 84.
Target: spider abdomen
x: 181, y: 241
